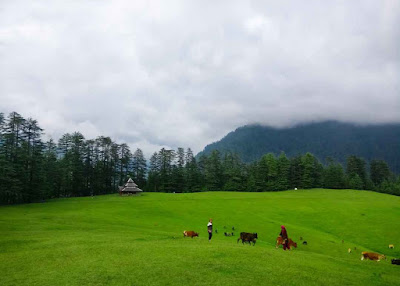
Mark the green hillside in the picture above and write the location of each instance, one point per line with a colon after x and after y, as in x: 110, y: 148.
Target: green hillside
x: 323, y: 139
x: 112, y: 240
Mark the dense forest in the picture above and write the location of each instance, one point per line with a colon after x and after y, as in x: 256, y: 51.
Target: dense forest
x: 323, y: 139
x: 32, y: 170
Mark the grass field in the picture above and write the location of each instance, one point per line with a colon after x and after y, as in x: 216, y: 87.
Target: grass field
x: 112, y: 240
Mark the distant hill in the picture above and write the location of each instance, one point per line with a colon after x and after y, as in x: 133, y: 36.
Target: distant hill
x: 330, y: 138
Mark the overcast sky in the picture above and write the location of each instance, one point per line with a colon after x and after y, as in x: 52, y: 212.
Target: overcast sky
x: 184, y: 73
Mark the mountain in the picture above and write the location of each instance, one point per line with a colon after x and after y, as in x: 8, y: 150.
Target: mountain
x: 330, y: 138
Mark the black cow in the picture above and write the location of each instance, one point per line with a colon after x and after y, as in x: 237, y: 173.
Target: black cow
x: 248, y: 237
x: 304, y: 242
x: 396, y: 261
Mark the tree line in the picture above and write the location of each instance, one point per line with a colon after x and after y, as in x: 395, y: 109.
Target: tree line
x: 33, y: 170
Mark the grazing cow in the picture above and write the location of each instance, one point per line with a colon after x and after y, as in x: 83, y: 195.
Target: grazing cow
x: 391, y: 246
x: 305, y: 242
x: 372, y: 256
x: 248, y: 237
x: 279, y: 241
x: 190, y: 233
x: 228, y: 234
x: 396, y: 261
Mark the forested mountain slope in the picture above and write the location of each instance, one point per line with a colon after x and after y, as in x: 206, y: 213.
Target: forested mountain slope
x: 331, y: 138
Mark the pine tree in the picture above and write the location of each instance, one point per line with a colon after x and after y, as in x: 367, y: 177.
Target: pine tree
x: 166, y: 157
x: 14, y: 159
x: 261, y: 175
x: 201, y: 164
x: 296, y: 172
x: 51, y: 183
x: 308, y: 171
x: 213, y: 172
x: 272, y: 173
x: 356, y: 166
x: 251, y: 182
x: 233, y: 173
x: 125, y: 158
x: 192, y: 173
x: 283, y: 172
x: 333, y: 176
x: 89, y: 163
x: 33, y: 158
x: 153, y: 182
x: 379, y: 171
x: 356, y: 182
x: 139, y: 167
x: 179, y: 172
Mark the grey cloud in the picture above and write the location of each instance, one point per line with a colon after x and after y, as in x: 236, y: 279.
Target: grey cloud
x: 179, y: 73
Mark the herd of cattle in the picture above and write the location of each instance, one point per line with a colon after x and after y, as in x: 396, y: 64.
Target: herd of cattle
x: 247, y: 237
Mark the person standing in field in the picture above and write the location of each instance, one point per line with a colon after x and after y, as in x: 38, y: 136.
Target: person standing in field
x: 285, y: 238
x: 209, y: 229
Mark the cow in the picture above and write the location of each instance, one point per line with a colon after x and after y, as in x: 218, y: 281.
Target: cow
x: 190, y: 233
x: 248, y: 237
x: 349, y: 250
x: 305, y: 242
x: 396, y: 261
x: 391, y: 246
x: 372, y: 256
x: 228, y: 233
x: 279, y: 241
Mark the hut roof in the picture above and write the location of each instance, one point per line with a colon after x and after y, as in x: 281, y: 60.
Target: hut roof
x: 130, y: 186
x: 130, y: 183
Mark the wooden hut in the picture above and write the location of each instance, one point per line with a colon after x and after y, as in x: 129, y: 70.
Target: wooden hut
x: 130, y: 188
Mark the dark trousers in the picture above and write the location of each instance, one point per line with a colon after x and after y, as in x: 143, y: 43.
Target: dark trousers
x: 286, y: 244
x: 209, y: 235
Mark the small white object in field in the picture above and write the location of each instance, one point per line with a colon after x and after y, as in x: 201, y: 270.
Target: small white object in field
x: 295, y: 189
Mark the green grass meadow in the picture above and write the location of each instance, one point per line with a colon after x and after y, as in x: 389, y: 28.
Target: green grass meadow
x: 113, y: 240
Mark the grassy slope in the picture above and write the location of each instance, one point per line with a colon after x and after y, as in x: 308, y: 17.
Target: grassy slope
x: 138, y: 240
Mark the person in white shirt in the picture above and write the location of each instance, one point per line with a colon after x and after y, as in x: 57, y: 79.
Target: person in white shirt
x: 209, y: 229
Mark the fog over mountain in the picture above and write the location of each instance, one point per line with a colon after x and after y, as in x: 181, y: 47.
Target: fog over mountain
x: 183, y: 73
x: 324, y: 140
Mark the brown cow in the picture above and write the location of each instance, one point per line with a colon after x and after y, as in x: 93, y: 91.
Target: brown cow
x: 190, y: 233
x: 279, y: 241
x: 372, y: 256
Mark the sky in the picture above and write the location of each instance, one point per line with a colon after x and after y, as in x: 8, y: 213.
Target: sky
x: 174, y: 74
